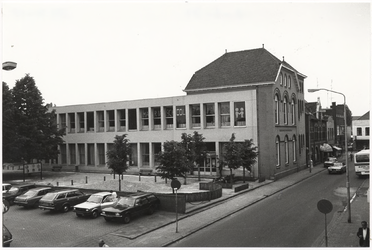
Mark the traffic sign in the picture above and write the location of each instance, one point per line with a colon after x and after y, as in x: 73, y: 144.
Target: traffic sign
x: 325, y: 206
x: 175, y: 184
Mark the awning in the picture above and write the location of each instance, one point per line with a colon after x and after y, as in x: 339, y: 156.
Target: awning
x: 337, y: 148
x: 326, y: 148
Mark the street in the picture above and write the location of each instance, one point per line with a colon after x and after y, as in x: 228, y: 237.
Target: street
x: 288, y: 219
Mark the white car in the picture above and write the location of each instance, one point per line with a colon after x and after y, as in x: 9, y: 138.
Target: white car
x: 6, y: 187
x: 93, y: 206
x: 338, y: 167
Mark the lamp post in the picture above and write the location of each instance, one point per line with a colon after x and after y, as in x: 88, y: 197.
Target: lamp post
x: 346, y: 158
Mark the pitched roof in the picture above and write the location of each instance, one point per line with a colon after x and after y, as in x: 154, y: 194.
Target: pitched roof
x: 364, y: 117
x: 238, y: 68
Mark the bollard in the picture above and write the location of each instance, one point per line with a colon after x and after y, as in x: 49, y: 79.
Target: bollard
x: 139, y: 176
x: 72, y: 182
x: 104, y: 178
x: 57, y: 183
x: 122, y: 177
x: 86, y: 179
x: 155, y: 178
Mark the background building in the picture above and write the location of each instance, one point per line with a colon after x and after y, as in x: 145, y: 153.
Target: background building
x: 249, y: 93
x: 361, y: 132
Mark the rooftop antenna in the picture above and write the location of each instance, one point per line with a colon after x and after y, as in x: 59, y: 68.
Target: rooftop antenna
x: 263, y: 45
x: 225, y: 51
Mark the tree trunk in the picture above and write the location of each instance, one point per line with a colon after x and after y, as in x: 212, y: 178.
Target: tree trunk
x: 119, y: 184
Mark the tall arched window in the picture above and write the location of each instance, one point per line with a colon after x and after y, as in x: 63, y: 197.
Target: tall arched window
x: 294, y: 148
x: 289, y: 81
x: 281, y: 79
x: 285, y: 110
x: 276, y: 109
x: 285, y: 80
x: 293, y: 112
x: 277, y: 150
x: 286, y: 150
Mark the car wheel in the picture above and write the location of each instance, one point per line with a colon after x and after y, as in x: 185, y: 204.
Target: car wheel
x: 95, y: 214
x: 65, y: 208
x: 107, y: 219
x: 126, y: 219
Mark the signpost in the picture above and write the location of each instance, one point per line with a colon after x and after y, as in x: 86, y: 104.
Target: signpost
x: 175, y: 184
x: 325, y: 207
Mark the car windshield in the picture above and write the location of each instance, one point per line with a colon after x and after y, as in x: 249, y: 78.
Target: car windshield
x: 13, y: 190
x: 49, y: 196
x: 362, y: 158
x: 95, y: 199
x: 331, y: 159
x: 125, y: 202
x: 31, y: 193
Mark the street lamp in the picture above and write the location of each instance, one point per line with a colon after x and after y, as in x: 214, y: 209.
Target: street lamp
x: 346, y: 158
x: 9, y: 65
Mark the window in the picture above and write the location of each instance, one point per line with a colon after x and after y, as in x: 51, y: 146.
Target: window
x: 239, y: 110
x: 72, y: 151
x: 100, y: 121
x: 276, y: 109
x: 110, y: 120
x: 225, y: 114
x: 180, y: 117
x: 209, y: 115
x: 359, y: 131
x: 285, y: 80
x: 293, y: 112
x: 289, y: 81
x: 281, y: 79
x: 156, y: 118
x: 285, y: 110
x: 156, y: 151
x: 63, y: 153
x: 168, y: 117
x: 367, y: 131
x: 121, y: 120
x: 286, y: 150
x: 101, y: 154
x: 294, y: 148
x: 277, y: 151
x: 91, y: 154
x: 62, y: 120
x: 81, y: 122
x: 132, y: 116
x: 81, y: 149
x: 145, y: 151
x: 71, y: 119
x: 144, y: 112
x: 90, y: 121
x: 195, y: 116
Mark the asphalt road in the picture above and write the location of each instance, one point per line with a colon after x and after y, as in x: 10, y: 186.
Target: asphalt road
x: 288, y: 219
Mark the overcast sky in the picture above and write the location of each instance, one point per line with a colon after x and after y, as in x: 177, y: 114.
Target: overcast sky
x: 92, y: 51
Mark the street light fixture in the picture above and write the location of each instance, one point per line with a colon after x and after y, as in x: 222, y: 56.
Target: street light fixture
x: 346, y: 158
x: 9, y: 65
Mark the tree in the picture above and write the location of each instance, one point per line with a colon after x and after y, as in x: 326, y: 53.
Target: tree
x: 231, y: 155
x: 36, y: 133
x: 173, y: 160
x: 118, y: 155
x: 9, y: 129
x: 248, y: 154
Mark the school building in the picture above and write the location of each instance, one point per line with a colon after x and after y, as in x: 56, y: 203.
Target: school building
x: 250, y: 93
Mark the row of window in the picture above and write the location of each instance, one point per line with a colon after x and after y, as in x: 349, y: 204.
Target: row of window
x: 360, y: 132
x: 156, y: 118
x: 288, y: 110
x: 289, y: 147
x: 286, y: 81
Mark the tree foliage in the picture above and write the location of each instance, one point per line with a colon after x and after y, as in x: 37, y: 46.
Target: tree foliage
x: 34, y: 133
x: 195, y: 147
x: 248, y: 154
x: 173, y: 160
x: 118, y: 155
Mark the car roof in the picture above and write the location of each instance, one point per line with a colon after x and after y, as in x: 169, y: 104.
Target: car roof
x: 102, y: 193
x: 24, y: 185
x: 64, y: 190
x: 40, y: 188
x: 137, y: 195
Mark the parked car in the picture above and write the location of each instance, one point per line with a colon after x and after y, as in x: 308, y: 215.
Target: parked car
x: 62, y: 200
x: 7, y: 237
x: 329, y: 161
x: 337, y: 168
x: 31, y: 197
x: 129, y: 206
x: 14, y: 191
x: 6, y: 187
x: 93, y: 206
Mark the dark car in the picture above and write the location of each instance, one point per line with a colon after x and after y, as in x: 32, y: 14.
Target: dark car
x: 129, y: 206
x: 7, y: 237
x: 14, y: 191
x: 31, y: 197
x: 62, y: 200
x: 94, y: 205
